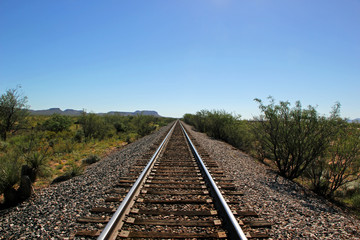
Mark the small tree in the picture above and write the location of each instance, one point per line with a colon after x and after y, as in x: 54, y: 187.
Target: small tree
x: 144, y: 124
x: 93, y: 126
x: 293, y: 138
x: 340, y: 165
x: 200, y: 120
x: 57, y: 123
x: 260, y: 144
x: 13, y: 111
x: 217, y: 122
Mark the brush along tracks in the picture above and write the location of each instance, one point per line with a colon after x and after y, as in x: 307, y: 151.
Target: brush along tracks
x: 173, y: 196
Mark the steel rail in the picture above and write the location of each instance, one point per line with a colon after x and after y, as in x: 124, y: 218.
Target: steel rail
x: 110, y: 229
x: 232, y: 225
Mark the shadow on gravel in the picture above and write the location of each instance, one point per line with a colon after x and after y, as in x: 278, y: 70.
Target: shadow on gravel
x: 305, y: 197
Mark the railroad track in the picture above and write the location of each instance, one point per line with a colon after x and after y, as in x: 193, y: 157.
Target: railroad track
x: 180, y: 193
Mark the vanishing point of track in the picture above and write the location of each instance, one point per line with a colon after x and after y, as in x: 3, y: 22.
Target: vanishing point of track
x: 180, y: 193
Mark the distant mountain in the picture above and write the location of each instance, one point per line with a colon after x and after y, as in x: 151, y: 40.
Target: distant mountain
x: 72, y: 112
x: 144, y: 112
x: 51, y: 111
x: 355, y: 120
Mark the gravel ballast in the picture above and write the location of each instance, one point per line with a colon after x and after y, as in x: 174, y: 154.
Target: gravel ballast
x: 52, y: 212
x: 295, y: 212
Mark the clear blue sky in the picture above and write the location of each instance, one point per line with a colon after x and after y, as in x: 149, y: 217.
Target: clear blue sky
x: 181, y: 56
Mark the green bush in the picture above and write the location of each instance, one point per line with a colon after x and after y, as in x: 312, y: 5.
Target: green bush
x: 9, y: 174
x: 294, y: 137
x: 37, y: 163
x: 33, y: 148
x: 222, y: 125
x: 355, y: 201
x: 131, y: 137
x: 218, y: 124
x: 79, y: 136
x: 64, y: 146
x: 197, y: 120
x: 238, y: 133
x: 259, y: 148
x: 94, y: 126
x: 120, y: 127
x: 74, y: 170
x: 144, y: 124
x: 13, y: 112
x: 57, y: 123
x: 340, y: 163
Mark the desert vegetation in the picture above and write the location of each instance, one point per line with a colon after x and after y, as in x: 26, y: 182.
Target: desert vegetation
x: 38, y: 150
x: 322, y: 153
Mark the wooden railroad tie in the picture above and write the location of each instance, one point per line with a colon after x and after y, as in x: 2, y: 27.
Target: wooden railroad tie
x: 173, y: 235
x: 167, y: 222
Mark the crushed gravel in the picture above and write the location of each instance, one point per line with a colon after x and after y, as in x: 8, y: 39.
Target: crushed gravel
x: 295, y: 212
x: 52, y: 212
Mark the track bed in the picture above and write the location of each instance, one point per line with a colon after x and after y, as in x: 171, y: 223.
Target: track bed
x: 173, y: 200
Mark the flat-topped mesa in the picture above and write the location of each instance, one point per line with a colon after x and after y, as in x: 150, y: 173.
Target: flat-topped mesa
x: 72, y: 112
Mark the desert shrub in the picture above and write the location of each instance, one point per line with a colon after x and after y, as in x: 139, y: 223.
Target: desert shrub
x: 79, y: 136
x: 91, y: 159
x: 197, y: 120
x: 131, y: 137
x: 260, y: 142
x: 10, y: 171
x: 238, y: 134
x: 218, y: 124
x: 37, y: 165
x: 9, y: 175
x: 214, y: 123
x: 120, y: 127
x: 339, y: 165
x: 64, y: 146
x: 57, y: 123
x: 74, y: 170
x: 144, y: 124
x: 224, y: 126
x: 13, y: 111
x: 32, y: 142
x: 355, y: 200
x: 33, y: 148
x: 294, y: 137
x: 94, y: 126
x: 118, y: 122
